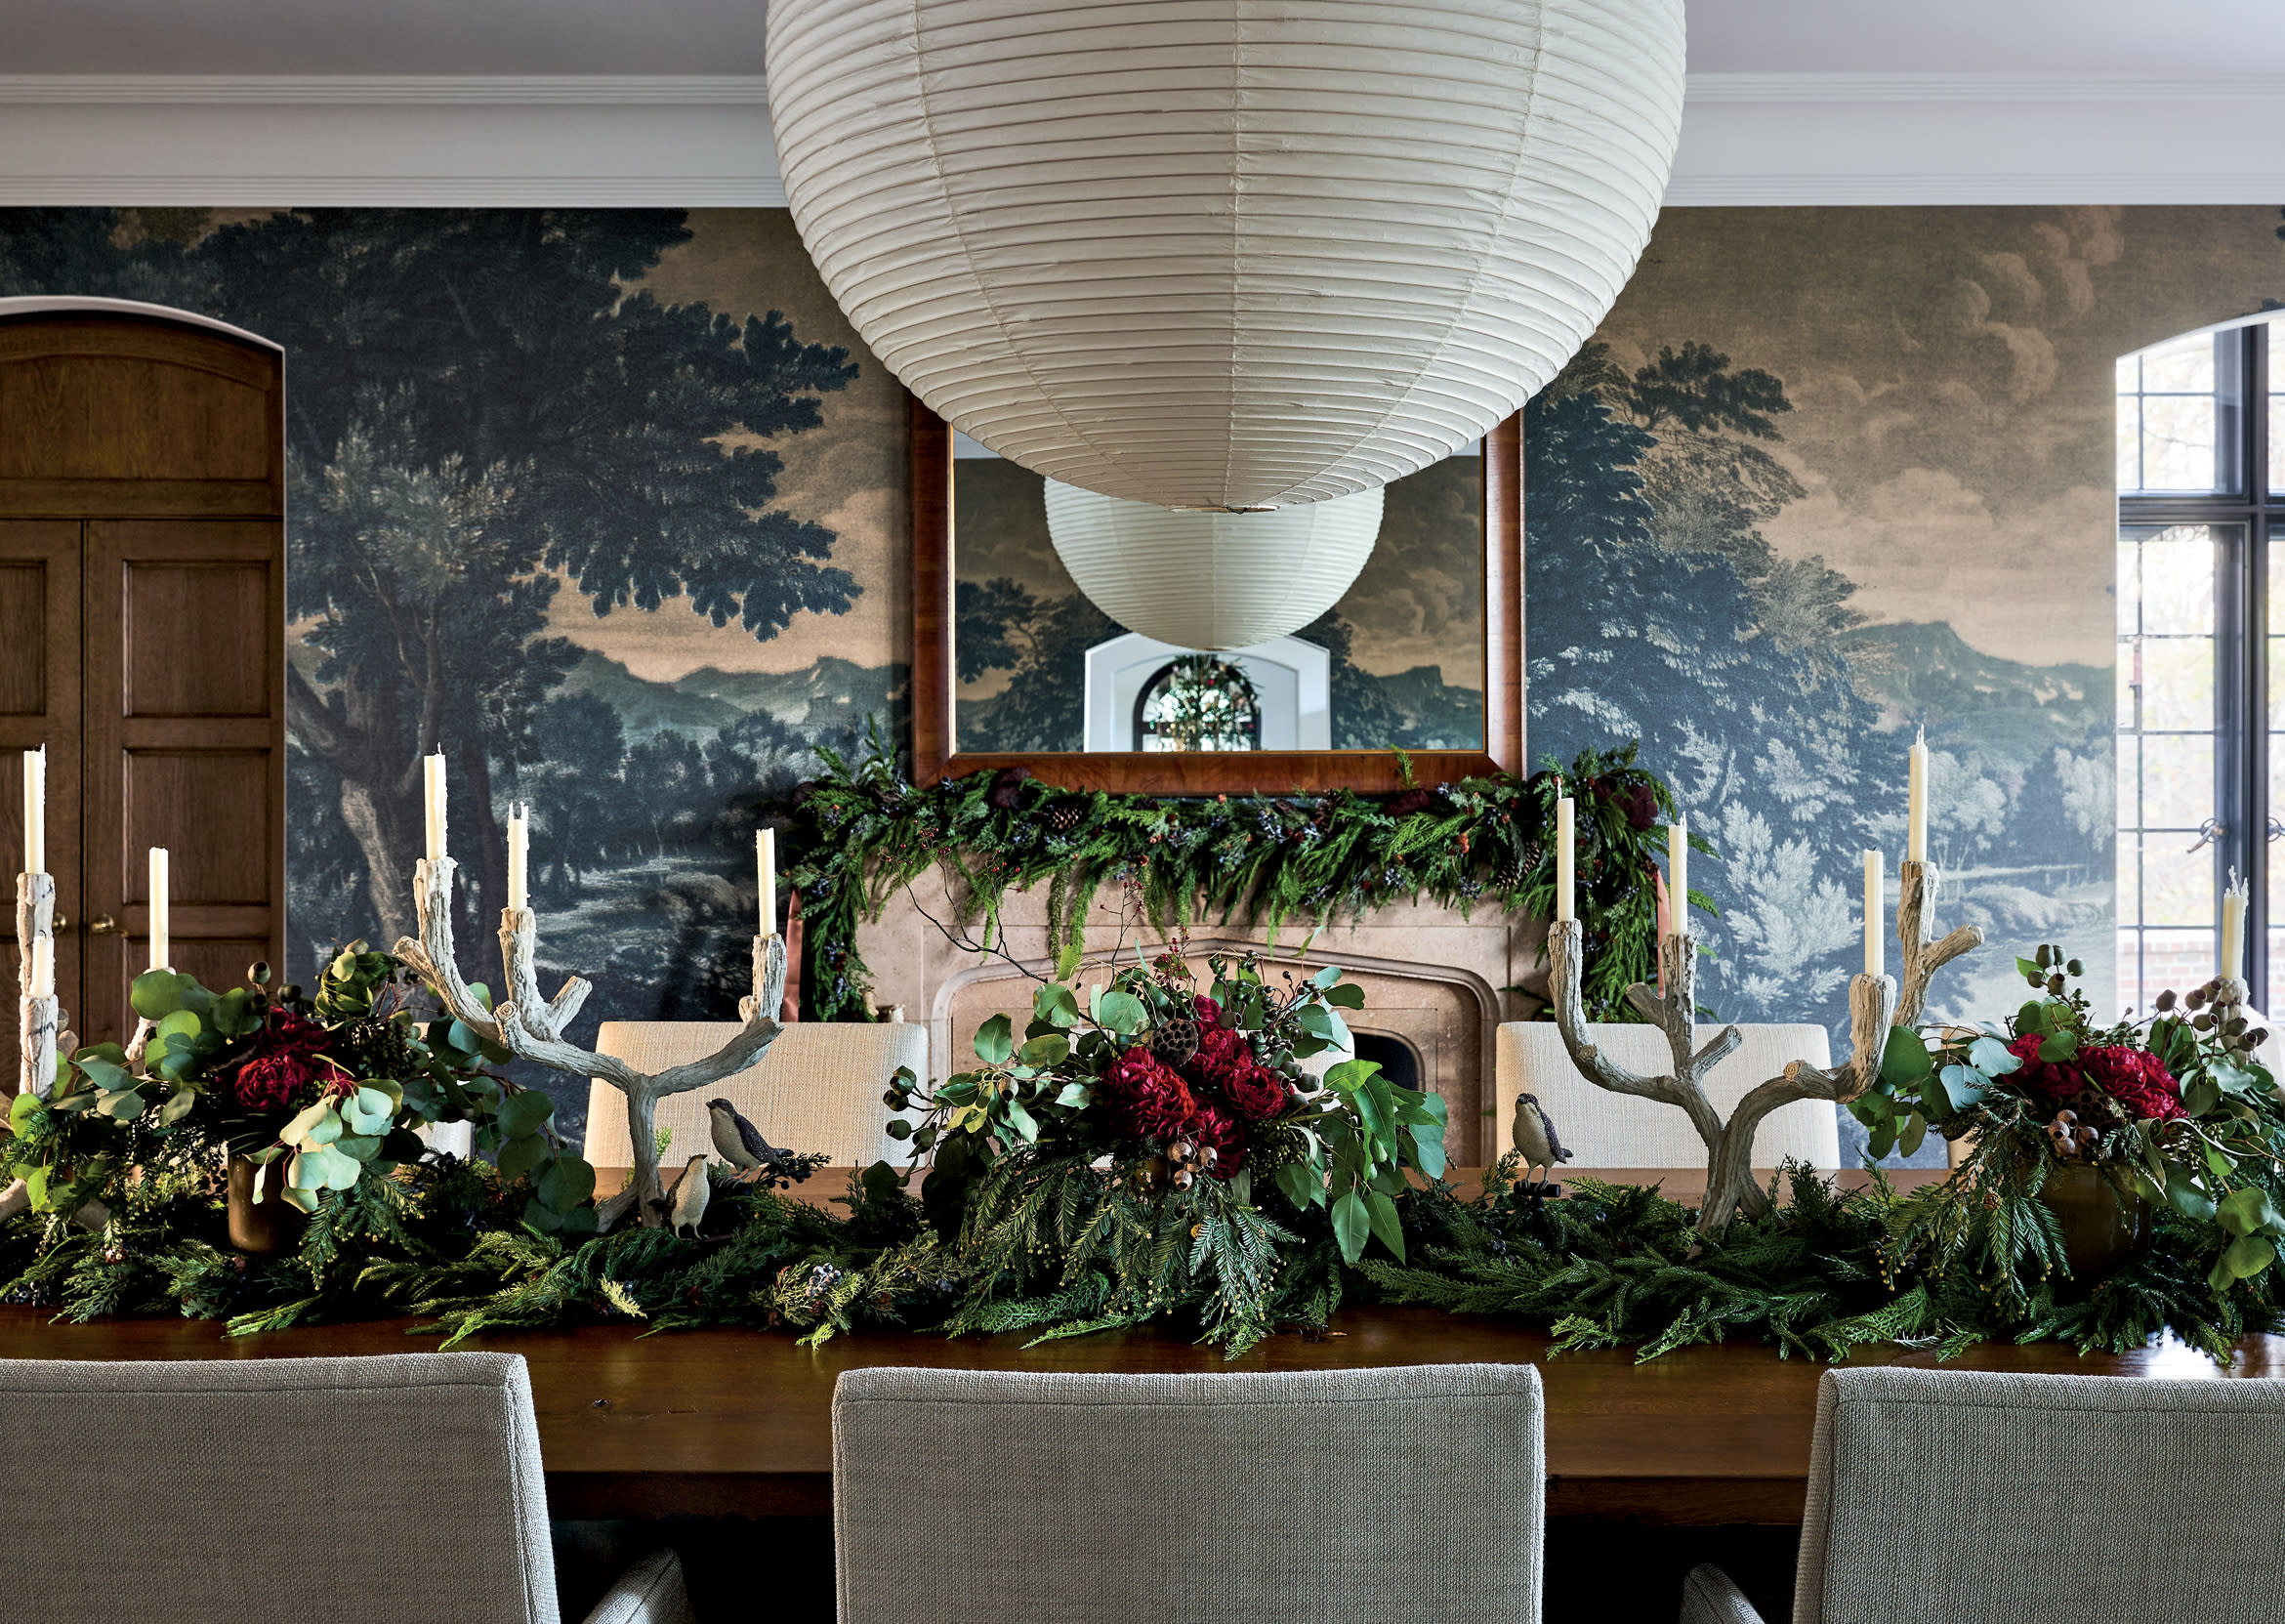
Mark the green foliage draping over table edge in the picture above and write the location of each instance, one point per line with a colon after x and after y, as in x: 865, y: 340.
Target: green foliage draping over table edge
x: 1607, y: 1266
x: 863, y: 833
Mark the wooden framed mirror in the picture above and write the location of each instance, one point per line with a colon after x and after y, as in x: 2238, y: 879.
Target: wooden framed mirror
x: 1012, y: 666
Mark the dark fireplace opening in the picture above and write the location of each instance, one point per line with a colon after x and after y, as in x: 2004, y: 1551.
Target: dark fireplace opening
x: 1395, y: 1057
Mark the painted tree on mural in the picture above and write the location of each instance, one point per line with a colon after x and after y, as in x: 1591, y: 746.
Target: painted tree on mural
x: 478, y: 410
x: 1649, y: 591
x: 440, y: 506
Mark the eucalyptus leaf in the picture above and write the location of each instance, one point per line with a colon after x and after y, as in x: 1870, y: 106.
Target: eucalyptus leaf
x: 995, y: 1042
x: 1050, y: 1049
x: 565, y: 1185
x: 519, y: 1156
x: 157, y: 993
x: 1345, y: 996
x: 2187, y: 1198
x: 1121, y: 1012
x: 1989, y: 1056
x: 178, y: 1107
x: 1055, y: 1005
x: 524, y: 1114
x: 2249, y: 1255
x: 1904, y: 1058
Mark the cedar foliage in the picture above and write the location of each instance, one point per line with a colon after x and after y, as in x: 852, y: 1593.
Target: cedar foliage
x: 863, y: 833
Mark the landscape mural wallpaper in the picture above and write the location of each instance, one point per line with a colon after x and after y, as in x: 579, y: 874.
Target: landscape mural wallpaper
x: 611, y: 506
x: 1826, y: 477
x: 604, y: 504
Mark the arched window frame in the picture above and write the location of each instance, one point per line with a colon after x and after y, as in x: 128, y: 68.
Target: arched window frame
x: 2243, y: 512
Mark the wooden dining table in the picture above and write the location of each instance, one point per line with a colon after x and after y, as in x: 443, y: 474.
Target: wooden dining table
x: 737, y: 1423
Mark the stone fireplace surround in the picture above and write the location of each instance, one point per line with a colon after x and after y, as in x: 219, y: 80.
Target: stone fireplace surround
x: 1433, y: 981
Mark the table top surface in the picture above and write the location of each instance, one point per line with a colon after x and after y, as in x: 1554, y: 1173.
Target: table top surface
x: 613, y: 1401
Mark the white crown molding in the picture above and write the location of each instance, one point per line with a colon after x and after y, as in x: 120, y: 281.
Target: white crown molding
x: 2095, y: 90
x: 2121, y: 189
x: 301, y: 191
x: 1749, y: 139
x: 108, y: 90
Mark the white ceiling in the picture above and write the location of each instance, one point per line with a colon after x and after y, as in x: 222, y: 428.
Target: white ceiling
x: 2178, y: 38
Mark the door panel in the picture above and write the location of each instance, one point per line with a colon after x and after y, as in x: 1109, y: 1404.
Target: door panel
x: 141, y: 639
x: 108, y: 416
x: 39, y: 705
x: 185, y: 716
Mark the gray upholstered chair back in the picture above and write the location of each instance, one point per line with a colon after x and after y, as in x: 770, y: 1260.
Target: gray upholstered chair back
x: 404, y: 1488
x: 1962, y: 1497
x: 1331, y: 1497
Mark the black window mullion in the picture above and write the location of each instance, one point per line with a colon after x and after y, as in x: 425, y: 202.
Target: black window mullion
x: 2258, y: 814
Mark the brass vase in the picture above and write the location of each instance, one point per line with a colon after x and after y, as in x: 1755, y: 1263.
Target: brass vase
x: 2101, y: 1230
x: 269, y: 1224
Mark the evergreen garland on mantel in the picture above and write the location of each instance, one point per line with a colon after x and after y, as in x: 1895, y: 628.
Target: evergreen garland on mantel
x: 862, y: 833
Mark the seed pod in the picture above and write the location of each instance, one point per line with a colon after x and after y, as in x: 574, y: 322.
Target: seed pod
x: 2166, y: 1001
x: 2074, y: 967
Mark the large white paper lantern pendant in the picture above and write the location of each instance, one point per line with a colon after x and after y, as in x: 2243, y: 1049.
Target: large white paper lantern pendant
x: 1225, y: 253
x: 1211, y: 580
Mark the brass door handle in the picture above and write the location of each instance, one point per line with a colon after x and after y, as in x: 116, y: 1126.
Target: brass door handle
x: 60, y: 920
x: 104, y: 925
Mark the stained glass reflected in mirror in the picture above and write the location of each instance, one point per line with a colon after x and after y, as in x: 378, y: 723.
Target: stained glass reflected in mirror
x: 1397, y: 663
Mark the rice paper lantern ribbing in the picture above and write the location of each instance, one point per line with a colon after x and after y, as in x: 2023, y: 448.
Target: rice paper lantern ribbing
x: 1225, y: 253
x: 1211, y: 580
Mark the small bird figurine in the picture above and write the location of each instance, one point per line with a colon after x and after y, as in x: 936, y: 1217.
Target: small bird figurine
x: 1533, y: 1134
x: 684, y: 1202
x: 742, y: 1146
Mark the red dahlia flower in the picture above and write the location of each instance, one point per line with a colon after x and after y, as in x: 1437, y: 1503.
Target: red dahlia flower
x: 1151, y: 1099
x: 2137, y: 1079
x: 280, y: 1063
x: 1217, y: 1127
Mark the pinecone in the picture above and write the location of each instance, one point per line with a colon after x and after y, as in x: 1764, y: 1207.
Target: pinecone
x: 1062, y: 817
x: 1175, y: 1039
x: 1508, y: 875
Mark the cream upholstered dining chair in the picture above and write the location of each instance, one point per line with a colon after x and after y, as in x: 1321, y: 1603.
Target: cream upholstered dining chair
x: 1603, y: 1129
x: 1974, y: 1497
x: 816, y: 1090
x: 1276, y: 1498
x: 404, y: 1487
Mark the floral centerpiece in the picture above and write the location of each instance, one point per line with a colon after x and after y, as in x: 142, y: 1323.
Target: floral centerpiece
x: 1160, y: 1148
x: 2167, y: 1116
x: 331, y: 1087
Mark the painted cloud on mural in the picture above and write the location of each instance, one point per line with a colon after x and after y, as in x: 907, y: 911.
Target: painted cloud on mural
x: 1916, y: 529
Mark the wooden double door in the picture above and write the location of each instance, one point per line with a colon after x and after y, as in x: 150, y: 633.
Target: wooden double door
x: 143, y: 642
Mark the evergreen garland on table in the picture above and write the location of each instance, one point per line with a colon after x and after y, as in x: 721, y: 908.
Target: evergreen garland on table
x: 863, y: 833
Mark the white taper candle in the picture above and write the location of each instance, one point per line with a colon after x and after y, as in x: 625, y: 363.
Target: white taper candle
x: 35, y: 810
x: 2233, y: 901
x: 519, y: 855
x: 1566, y: 858
x: 766, y: 866
x: 1915, y: 802
x: 161, y: 948
x: 43, y: 967
x: 432, y: 801
x: 1876, y: 915
x: 1677, y: 876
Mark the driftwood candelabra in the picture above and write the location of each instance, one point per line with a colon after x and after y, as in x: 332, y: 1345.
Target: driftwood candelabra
x: 532, y: 1029
x: 40, y: 1021
x: 1876, y: 1003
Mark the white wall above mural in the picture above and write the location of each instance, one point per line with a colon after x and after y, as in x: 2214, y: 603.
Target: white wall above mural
x: 696, y: 141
